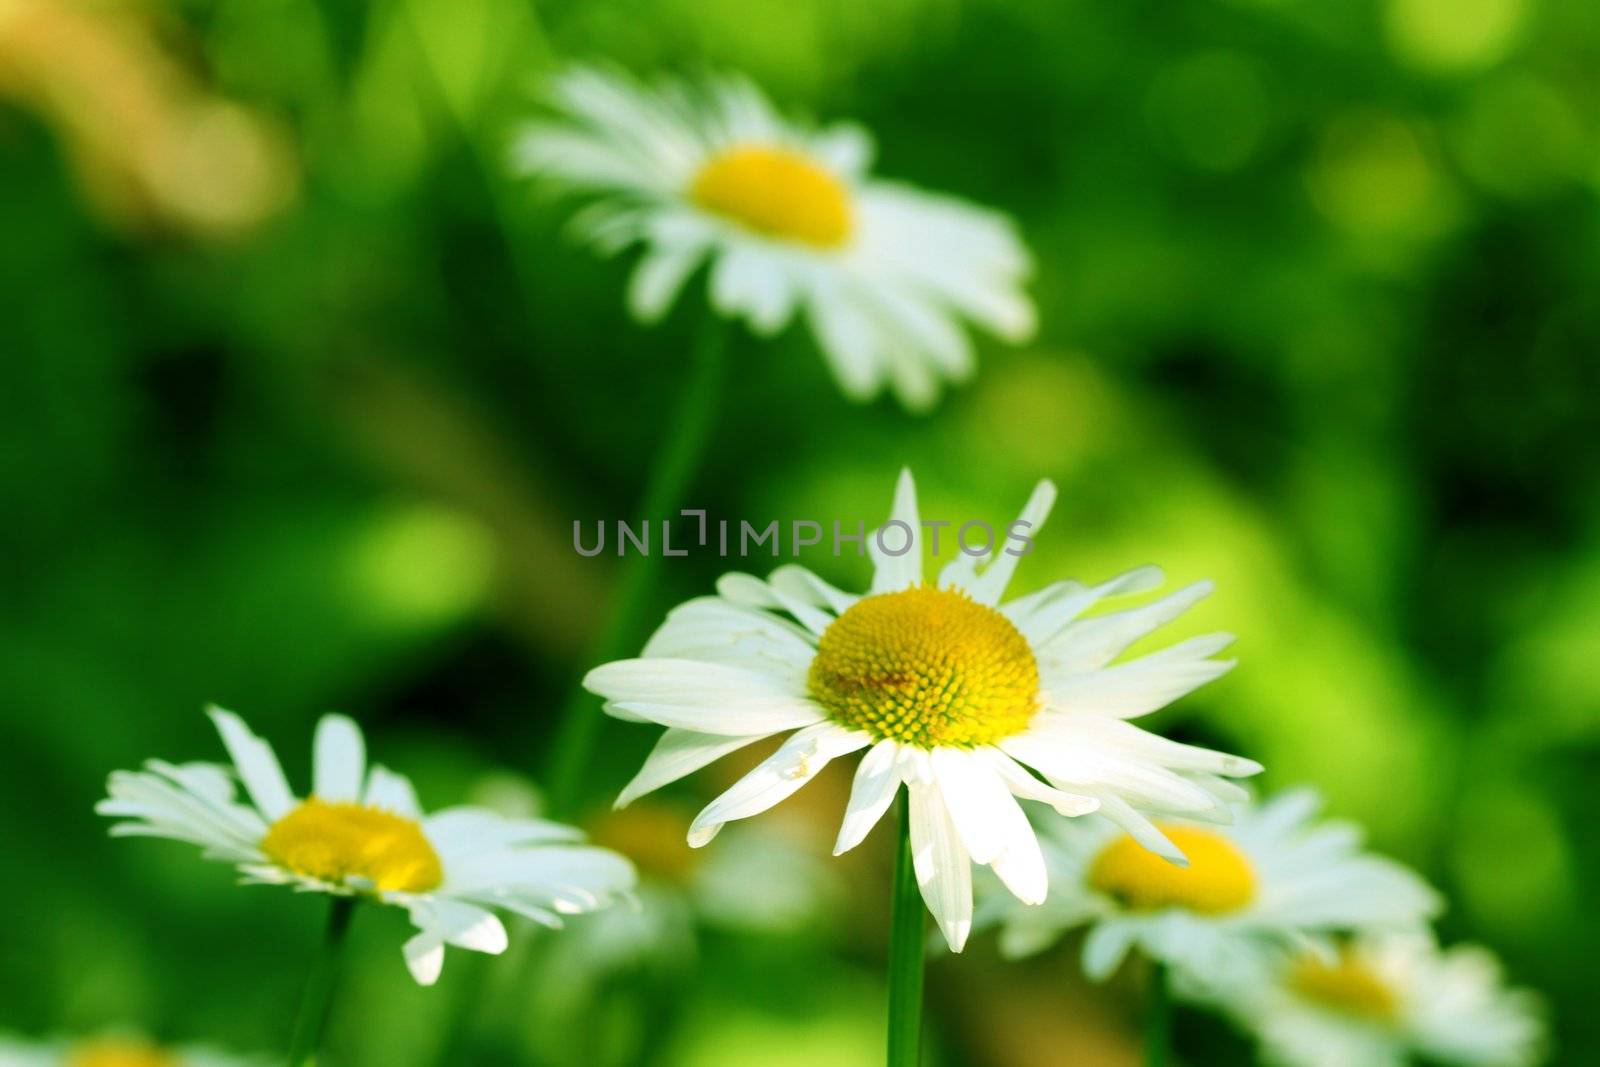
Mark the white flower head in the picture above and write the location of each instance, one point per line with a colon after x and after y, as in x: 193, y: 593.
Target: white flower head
x: 361, y: 832
x: 1273, y: 882
x: 1387, y: 998
x: 968, y: 702
x: 790, y: 221
x: 115, y: 1050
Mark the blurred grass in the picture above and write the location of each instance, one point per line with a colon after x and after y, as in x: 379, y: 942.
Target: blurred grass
x: 299, y: 394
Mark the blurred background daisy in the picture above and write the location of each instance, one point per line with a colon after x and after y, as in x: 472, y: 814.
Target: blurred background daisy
x: 115, y: 1050
x: 1387, y: 1000
x: 1270, y: 883
x: 790, y: 222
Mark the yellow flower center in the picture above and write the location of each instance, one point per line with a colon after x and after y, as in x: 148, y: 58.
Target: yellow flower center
x: 1350, y: 986
x: 336, y: 842
x: 777, y: 192
x: 1218, y: 880
x: 926, y: 667
x: 119, y: 1053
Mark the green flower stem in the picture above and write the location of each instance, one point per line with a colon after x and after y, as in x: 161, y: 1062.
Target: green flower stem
x: 670, y: 475
x: 319, y: 986
x: 906, y: 941
x: 1158, y: 1018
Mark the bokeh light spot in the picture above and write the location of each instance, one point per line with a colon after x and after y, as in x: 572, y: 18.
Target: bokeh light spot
x: 422, y: 566
x: 1454, y: 35
x: 1212, y: 109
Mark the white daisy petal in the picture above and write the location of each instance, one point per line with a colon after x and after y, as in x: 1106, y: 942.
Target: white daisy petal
x: 990, y: 585
x: 424, y: 955
x: 339, y: 759
x: 1141, y: 829
x: 941, y: 864
x: 659, y: 278
x: 847, y: 338
x: 571, y: 878
x: 845, y: 147
x: 1025, y: 785
x: 463, y: 925
x: 1143, y: 685
x: 704, y: 697
x: 753, y: 592
x: 876, y: 782
x: 256, y: 763
x: 777, y: 777
x: 806, y: 587
x: 1098, y: 770
x: 679, y: 752
x: 991, y: 826
x: 898, y: 558
x: 713, y: 629
x: 1090, y: 644
x: 389, y: 791
x: 1040, y: 616
x: 1105, y: 948
x: 462, y: 831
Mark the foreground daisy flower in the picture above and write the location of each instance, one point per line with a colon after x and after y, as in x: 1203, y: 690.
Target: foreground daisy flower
x: 113, y: 1051
x: 1251, y: 890
x: 361, y: 833
x: 1385, y: 1000
x: 968, y: 702
x: 790, y: 221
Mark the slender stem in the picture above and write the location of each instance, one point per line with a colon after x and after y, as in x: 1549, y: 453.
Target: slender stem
x: 671, y: 472
x: 319, y: 986
x: 1158, y: 1018
x: 906, y: 940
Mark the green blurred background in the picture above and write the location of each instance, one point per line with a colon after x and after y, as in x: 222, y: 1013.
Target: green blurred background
x: 300, y: 394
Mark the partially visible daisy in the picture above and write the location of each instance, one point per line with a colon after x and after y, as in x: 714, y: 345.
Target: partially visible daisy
x: 969, y: 702
x: 361, y: 833
x: 1386, y: 1000
x: 114, y: 1051
x: 791, y: 222
x: 1259, y: 888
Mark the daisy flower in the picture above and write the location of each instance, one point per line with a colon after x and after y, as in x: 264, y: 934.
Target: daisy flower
x: 361, y: 833
x: 113, y: 1051
x: 1269, y: 882
x: 1385, y: 1000
x: 969, y: 702
x: 790, y: 221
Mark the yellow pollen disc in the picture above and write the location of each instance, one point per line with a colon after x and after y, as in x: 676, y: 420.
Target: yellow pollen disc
x: 1218, y: 880
x: 777, y: 192
x: 1349, y: 986
x: 119, y: 1053
x: 338, y: 841
x: 926, y: 667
